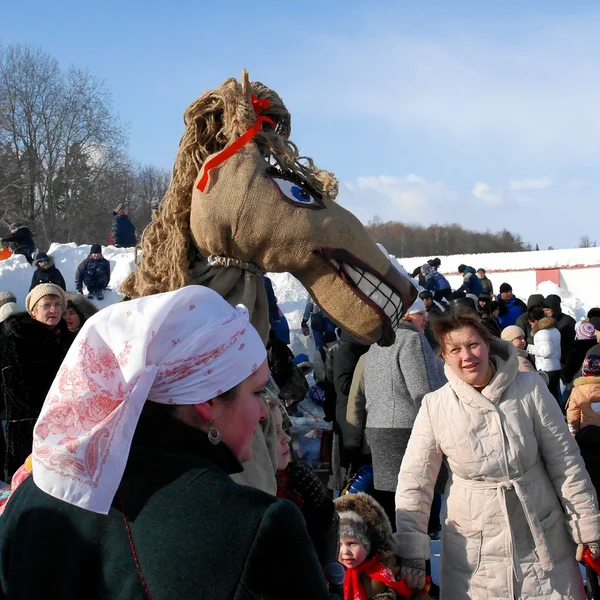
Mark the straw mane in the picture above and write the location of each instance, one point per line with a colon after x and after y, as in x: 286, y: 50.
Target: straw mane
x: 212, y: 122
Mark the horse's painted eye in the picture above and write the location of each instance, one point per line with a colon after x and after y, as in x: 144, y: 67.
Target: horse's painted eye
x: 296, y: 193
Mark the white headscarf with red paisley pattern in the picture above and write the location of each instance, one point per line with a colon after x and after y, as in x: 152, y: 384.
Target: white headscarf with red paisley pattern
x: 182, y: 347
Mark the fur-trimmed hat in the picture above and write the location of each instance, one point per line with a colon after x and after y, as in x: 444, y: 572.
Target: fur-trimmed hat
x: 362, y: 517
x: 591, y: 366
x: 41, y: 290
x: 6, y: 297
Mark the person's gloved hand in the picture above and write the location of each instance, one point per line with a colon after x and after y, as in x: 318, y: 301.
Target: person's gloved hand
x: 305, y: 329
x: 412, y: 570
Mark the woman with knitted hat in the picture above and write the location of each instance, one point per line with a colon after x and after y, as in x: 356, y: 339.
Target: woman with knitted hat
x: 33, y: 346
x: 155, y: 405
x: 516, y: 336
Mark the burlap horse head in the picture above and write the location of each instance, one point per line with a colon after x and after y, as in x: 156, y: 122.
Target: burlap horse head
x: 242, y: 201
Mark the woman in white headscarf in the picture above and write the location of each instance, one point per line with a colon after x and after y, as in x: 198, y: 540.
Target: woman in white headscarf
x: 155, y: 404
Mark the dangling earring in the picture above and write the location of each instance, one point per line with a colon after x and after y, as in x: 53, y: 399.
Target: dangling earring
x: 214, y: 435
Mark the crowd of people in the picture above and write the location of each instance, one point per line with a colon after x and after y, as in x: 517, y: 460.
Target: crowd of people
x: 479, y: 425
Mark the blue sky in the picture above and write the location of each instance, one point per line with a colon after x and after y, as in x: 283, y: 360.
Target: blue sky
x: 480, y: 113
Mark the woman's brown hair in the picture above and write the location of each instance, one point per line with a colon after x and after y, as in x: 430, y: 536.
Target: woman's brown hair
x: 444, y: 326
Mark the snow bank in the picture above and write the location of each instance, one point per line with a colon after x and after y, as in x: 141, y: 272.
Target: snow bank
x: 579, y: 286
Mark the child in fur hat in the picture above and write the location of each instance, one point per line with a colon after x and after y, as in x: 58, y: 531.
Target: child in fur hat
x: 367, y: 552
x: 583, y: 407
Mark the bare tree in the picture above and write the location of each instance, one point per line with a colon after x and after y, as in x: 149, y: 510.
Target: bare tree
x: 62, y: 137
x: 584, y: 242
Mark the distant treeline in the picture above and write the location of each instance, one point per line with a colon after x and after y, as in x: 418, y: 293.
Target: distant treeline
x: 405, y: 241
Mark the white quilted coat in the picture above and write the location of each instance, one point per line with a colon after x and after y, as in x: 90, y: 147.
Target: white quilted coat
x: 514, y: 469
x: 546, y: 346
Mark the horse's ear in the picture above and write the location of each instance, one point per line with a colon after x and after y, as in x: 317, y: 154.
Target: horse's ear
x: 246, y: 86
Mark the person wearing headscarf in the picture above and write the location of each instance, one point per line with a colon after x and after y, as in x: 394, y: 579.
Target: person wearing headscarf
x: 33, y: 345
x: 156, y: 403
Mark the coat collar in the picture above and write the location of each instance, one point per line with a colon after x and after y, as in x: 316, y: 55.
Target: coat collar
x: 506, y: 360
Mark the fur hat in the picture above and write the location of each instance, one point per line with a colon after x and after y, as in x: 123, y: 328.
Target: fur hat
x: 6, y: 297
x: 10, y: 308
x: 591, y: 366
x: 585, y: 331
x: 505, y: 287
x: 41, y: 290
x: 96, y: 249
x: 512, y: 332
x: 82, y: 306
x: 363, y: 517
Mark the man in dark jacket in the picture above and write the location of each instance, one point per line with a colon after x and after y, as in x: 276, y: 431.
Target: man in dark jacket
x: 123, y: 230
x: 511, y: 307
x: 345, y: 360
x: 564, y: 323
x: 488, y: 288
x: 20, y: 241
x: 523, y: 321
x: 471, y: 283
x: 94, y: 273
x: 46, y: 272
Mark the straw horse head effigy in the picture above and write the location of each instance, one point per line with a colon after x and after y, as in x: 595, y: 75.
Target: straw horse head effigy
x: 242, y: 201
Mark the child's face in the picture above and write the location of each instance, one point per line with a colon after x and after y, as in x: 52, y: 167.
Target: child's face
x: 352, y: 552
x: 283, y: 440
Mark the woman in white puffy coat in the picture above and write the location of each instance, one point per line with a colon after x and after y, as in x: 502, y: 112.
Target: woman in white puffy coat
x: 546, y: 348
x: 518, y: 497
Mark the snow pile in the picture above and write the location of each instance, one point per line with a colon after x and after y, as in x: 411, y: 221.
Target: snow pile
x: 579, y: 293
x: 16, y: 272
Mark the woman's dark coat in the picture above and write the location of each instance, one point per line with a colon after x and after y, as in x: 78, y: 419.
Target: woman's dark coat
x: 31, y: 356
x: 49, y: 274
x: 179, y: 528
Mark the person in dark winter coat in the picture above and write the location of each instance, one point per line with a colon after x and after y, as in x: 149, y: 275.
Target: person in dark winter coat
x: 78, y: 311
x: 484, y: 309
x: 434, y: 310
x: 123, y: 230
x: 488, y: 288
x: 535, y: 300
x: 564, y: 323
x: 33, y: 346
x: 46, y: 272
x: 345, y: 360
x: 94, y: 273
x: 20, y: 241
x: 511, y: 307
x: 585, y: 339
x: 158, y: 515
x: 471, y: 283
x: 396, y: 379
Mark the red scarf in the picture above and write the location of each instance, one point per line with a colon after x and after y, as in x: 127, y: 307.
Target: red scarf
x: 375, y: 569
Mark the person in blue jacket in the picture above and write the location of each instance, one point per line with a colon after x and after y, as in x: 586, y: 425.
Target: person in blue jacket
x: 471, y: 283
x: 94, y: 273
x: 511, y: 308
x: 436, y: 283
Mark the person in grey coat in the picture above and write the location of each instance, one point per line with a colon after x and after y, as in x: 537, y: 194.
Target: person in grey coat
x: 396, y: 379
